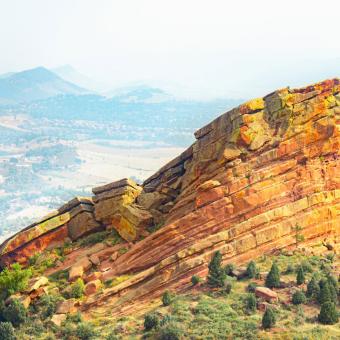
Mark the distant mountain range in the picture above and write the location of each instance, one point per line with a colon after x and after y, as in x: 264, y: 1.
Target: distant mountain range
x: 35, y: 84
x: 42, y: 93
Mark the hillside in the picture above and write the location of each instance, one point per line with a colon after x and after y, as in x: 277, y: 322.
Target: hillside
x: 34, y: 84
x: 261, y: 181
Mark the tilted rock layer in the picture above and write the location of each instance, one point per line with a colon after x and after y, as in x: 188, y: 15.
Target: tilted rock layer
x: 254, y: 176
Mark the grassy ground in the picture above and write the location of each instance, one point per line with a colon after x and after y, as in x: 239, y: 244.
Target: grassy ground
x: 203, y: 313
x: 199, y: 313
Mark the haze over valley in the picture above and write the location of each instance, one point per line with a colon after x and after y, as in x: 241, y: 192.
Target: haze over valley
x: 59, y: 139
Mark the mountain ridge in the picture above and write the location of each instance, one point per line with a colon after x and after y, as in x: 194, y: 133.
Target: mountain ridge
x: 34, y: 84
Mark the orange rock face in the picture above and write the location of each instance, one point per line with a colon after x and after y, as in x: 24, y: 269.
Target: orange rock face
x: 253, y: 175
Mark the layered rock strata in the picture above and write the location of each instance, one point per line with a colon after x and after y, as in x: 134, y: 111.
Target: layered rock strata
x: 115, y: 207
x: 256, y: 178
x: 71, y: 221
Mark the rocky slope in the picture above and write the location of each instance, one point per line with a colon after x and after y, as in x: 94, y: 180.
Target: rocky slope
x: 261, y: 177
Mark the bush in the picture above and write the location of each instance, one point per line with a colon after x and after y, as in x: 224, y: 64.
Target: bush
x: 34, y: 327
x: 333, y: 287
x: 75, y: 318
x: 14, y: 279
x: 250, y: 303
x: 195, y: 280
x: 167, y: 298
x: 216, y: 276
x: 7, y: 331
x: 170, y: 332
x: 300, y: 276
x: 228, y: 269
x: 151, y: 321
x: 68, y: 330
x: 112, y: 336
x: 273, y: 277
x: 15, y: 313
x: 77, y: 289
x: 313, y: 288
x: 298, y: 298
x: 325, y: 268
x: 47, y: 305
x: 252, y: 271
x: 324, y: 295
x: 227, y: 286
x: 85, y: 331
x: 328, y: 314
x: 93, y: 238
x: 289, y: 269
x: 166, y: 319
x: 306, y: 266
x: 268, y: 319
x: 251, y: 287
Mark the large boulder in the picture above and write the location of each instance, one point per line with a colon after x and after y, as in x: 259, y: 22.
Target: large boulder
x: 66, y: 307
x: 115, y: 207
x: 36, y: 283
x: 79, y: 268
x: 58, y: 319
x: 92, y: 287
x: 266, y: 294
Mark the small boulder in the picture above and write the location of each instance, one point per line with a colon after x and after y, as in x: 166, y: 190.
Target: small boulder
x: 266, y: 294
x: 58, y: 319
x: 66, y: 306
x: 75, y: 273
x: 36, y: 283
x: 93, y: 276
x: 262, y: 306
x: 85, y: 263
x: 96, y: 248
x: 94, y: 259
x: 24, y: 299
x: 92, y: 287
x: 53, y: 291
x: 38, y: 292
x: 239, y: 273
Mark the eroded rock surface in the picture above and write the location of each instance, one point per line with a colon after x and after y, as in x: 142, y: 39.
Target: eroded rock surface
x: 73, y: 220
x: 253, y: 176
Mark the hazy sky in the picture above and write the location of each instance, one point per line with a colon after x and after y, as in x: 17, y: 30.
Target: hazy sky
x: 191, y: 47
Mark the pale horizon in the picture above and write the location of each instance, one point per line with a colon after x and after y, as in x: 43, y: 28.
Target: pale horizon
x: 191, y: 49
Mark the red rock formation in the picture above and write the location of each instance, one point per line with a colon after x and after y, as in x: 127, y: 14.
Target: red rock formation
x: 253, y: 175
x: 71, y: 221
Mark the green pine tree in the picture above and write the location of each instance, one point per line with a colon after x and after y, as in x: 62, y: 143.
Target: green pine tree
x: 313, y: 288
x: 167, y: 298
x: 216, y: 275
x: 250, y: 303
x: 268, y: 319
x: 7, y: 331
x: 325, y: 294
x: 300, y: 277
x: 252, y: 271
x: 273, y: 277
x: 328, y: 314
x: 333, y: 288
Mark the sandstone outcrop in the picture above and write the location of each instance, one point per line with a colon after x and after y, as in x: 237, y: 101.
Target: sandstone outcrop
x: 266, y: 294
x: 73, y: 220
x: 255, y: 177
x: 115, y: 206
x: 252, y: 176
